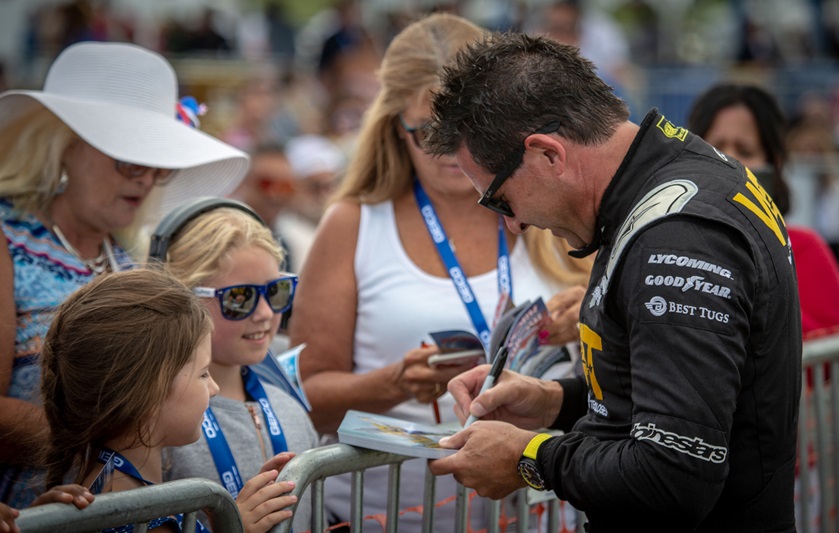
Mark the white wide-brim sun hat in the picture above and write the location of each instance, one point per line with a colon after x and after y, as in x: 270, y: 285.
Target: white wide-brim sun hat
x: 121, y: 99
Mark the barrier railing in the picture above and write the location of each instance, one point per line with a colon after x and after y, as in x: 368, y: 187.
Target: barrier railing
x: 312, y: 467
x: 817, y: 500
x: 818, y: 437
x: 138, y: 506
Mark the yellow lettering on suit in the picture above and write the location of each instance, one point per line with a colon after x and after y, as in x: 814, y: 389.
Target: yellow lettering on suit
x: 767, y: 211
x: 590, y: 341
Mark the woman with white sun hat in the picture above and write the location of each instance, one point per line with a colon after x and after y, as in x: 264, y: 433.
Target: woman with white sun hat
x: 85, y: 163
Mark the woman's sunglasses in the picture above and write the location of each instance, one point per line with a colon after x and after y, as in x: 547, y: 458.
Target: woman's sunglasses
x: 161, y: 176
x: 419, y: 134
x: 238, y: 302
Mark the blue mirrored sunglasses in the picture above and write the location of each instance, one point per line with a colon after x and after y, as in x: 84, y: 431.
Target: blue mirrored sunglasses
x: 238, y: 302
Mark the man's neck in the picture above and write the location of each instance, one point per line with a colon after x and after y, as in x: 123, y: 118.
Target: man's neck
x: 600, y: 163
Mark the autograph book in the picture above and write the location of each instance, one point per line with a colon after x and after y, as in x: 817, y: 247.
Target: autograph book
x: 456, y: 348
x: 392, y: 435
x: 518, y: 330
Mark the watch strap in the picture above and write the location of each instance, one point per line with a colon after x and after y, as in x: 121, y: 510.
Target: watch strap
x: 532, y: 447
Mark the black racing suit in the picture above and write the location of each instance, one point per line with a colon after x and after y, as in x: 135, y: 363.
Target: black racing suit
x: 686, y: 415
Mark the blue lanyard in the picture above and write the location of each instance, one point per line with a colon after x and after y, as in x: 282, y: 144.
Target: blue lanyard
x: 464, y: 290
x: 222, y: 455
x: 124, y: 465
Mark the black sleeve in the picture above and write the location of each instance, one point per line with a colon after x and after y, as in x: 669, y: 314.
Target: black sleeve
x: 573, y: 403
x: 687, y: 345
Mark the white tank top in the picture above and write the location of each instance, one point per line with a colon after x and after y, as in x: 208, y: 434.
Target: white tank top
x: 398, y: 305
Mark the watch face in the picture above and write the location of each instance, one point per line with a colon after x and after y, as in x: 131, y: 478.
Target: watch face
x: 531, y: 476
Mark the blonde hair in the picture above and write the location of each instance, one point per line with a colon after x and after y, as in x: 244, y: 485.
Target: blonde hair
x: 109, y: 359
x: 197, y: 251
x: 31, y: 149
x: 549, y: 256
x: 381, y: 168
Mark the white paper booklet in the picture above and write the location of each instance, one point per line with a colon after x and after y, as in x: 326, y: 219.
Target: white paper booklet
x: 386, y: 434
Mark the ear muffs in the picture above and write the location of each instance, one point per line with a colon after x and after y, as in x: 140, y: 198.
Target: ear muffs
x: 172, y: 223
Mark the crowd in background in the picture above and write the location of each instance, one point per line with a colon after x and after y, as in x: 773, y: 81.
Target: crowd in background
x: 317, y: 75
x: 291, y: 93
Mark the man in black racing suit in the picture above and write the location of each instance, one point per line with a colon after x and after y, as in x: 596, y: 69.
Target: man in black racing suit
x: 685, y: 413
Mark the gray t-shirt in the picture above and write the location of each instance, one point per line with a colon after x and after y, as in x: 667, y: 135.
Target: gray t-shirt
x: 250, y: 446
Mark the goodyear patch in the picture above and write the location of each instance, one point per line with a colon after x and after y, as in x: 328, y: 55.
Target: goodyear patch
x: 671, y: 130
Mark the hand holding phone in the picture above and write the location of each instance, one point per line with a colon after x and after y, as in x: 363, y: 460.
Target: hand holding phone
x: 462, y: 357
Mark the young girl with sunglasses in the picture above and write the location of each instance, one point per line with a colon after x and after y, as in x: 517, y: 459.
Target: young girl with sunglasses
x: 232, y: 261
x: 125, y: 372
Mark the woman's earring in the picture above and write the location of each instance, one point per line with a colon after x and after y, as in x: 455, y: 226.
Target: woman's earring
x: 62, y: 182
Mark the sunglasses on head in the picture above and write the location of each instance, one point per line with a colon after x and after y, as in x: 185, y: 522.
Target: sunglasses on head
x: 238, y: 302
x: 161, y: 176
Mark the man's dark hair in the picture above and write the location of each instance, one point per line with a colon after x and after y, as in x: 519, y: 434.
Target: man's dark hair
x: 505, y: 87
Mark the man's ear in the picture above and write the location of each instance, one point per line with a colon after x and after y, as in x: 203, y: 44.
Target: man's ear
x: 549, y: 147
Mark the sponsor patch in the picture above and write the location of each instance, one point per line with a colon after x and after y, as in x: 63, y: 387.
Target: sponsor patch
x: 693, y: 446
x: 596, y: 407
x: 693, y: 263
x: 671, y: 130
x: 658, y: 306
x: 690, y: 283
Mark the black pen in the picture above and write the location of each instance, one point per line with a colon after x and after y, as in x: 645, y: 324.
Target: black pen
x: 494, y: 372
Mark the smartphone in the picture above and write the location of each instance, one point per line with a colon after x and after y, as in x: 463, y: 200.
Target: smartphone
x: 457, y: 358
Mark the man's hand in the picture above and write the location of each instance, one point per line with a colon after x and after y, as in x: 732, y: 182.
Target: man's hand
x: 487, y: 460
x: 525, y: 402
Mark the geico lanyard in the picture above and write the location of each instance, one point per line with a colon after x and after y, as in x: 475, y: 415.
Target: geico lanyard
x: 124, y: 465
x: 464, y: 290
x: 228, y: 472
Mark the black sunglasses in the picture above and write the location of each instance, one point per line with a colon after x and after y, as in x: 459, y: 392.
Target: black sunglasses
x: 238, y: 302
x: 497, y: 204
x: 419, y: 134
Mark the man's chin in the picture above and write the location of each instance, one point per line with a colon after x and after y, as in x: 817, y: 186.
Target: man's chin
x: 574, y: 241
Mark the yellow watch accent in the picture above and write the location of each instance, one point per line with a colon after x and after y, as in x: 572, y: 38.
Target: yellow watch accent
x: 533, y: 446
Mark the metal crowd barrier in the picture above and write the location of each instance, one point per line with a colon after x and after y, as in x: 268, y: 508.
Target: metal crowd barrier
x: 313, y: 466
x: 817, y: 503
x: 138, y: 506
x: 818, y: 438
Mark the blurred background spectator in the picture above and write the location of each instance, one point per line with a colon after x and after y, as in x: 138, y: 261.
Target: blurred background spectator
x: 317, y: 163
x: 269, y: 188
x: 272, y: 70
x: 597, y: 35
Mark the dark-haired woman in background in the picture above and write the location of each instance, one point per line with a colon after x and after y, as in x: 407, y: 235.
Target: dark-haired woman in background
x: 745, y: 122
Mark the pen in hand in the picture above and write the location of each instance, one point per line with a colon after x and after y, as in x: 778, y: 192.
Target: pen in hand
x: 494, y: 372
x: 434, y: 405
